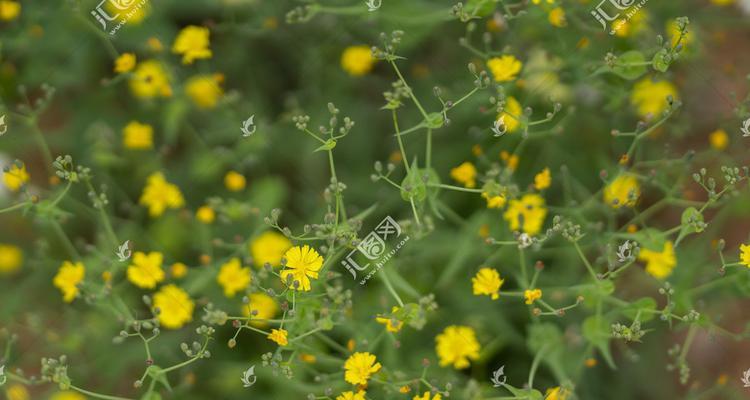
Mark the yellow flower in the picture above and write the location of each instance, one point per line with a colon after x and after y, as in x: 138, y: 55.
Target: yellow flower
x: 138, y: 136
x: 178, y: 270
x: 650, y: 97
x: 17, y: 391
x: 205, y: 214
x: 205, y: 90
x: 158, y: 195
x: 511, y: 114
x: 125, y: 63
x: 234, y: 181
x: 543, y: 179
x: 487, y: 282
x: 360, y: 395
x: 145, y: 271
x: 556, y: 17
x: 269, y: 247
x: 308, y: 358
x: 302, y: 263
x: 175, y: 306
x: 532, y: 295
x: 357, y: 60
x: 456, y: 346
x: 465, y: 174
x: 261, y: 307
x: 132, y: 13
x: 539, y: 1
x: 233, y: 277
x: 67, y: 279
x: 391, y: 324
x: 150, y: 80
x: 636, y: 24
x: 9, y: 10
x: 722, y: 2
x: 11, y: 258
x: 719, y: 139
x: 623, y: 191
x: 494, y: 201
x: 505, y: 68
x: 192, y: 42
x: 154, y: 44
x: 526, y: 214
x: 15, y: 177
x: 360, y: 367
x: 556, y: 393
x: 278, y: 336
x: 511, y: 160
x: 745, y: 256
x: 67, y: 395
x: 404, y: 389
x: 659, y: 264
x: 426, y: 396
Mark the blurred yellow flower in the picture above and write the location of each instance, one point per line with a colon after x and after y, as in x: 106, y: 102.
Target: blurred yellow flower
x: 659, y: 264
x: 205, y: 90
x: 233, y: 277
x: 505, y: 68
x: 511, y: 114
x: 178, y: 270
x: 360, y: 395
x: 134, y: 12
x: 391, y: 324
x: 11, y: 258
x: 465, y: 174
x: 632, y: 26
x: 279, y: 336
x: 360, y: 367
x: 16, y: 391
x: 260, y: 307
x: 404, y: 389
x: 9, y: 10
x: 543, y: 179
x: 150, y: 80
x: 526, y: 214
x: 308, y: 358
x: 234, y: 181
x: 269, y: 247
x: 67, y: 279
x: 154, y: 44
x: 158, y: 195
x: 494, y: 201
x: 556, y: 17
x: 532, y: 295
x: 650, y: 97
x: 719, y: 139
x: 357, y: 60
x: 15, y: 177
x: 722, y: 2
x: 205, y: 214
x: 67, y: 395
x: 146, y: 271
x: 138, y: 136
x: 623, y: 191
x: 175, y: 306
x: 192, y: 42
x: 487, y: 282
x: 511, y: 160
x: 556, y: 393
x: 456, y: 346
x: 125, y: 63
x: 745, y: 256
x: 302, y: 263
x: 426, y: 396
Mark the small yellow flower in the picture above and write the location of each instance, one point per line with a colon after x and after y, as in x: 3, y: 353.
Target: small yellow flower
x: 426, y: 396
x: 138, y: 136
x: 659, y: 264
x: 556, y: 393
x: 650, y: 97
x: 360, y: 395
x: 590, y: 362
x: 722, y: 2
x: 107, y: 277
x: 192, y: 42
x: 360, y: 367
x: 494, y: 201
x: 745, y: 256
x: 308, y: 358
x: 391, y: 324
x: 205, y: 90
x: 556, y: 17
x: 205, y: 214
x: 178, y: 270
x: 125, y: 63
x: 357, y: 60
x: 9, y: 10
x: 543, y: 179
x: 302, y: 263
x: 526, y: 214
x: 404, y: 389
x: 539, y: 1
x: 487, y: 282
x: 150, y: 80
x: 719, y: 139
x: 505, y: 68
x: 532, y: 295
x: 511, y: 160
x: 158, y: 195
x: 146, y: 271
x: 456, y: 346
x: 511, y: 114
x: 154, y: 44
x: 636, y: 24
x: 278, y: 336
x: 175, y: 307
x: 234, y: 181
x: 623, y: 191
x: 233, y: 277
x: 260, y: 307
x: 17, y: 391
x: 269, y: 247
x: 67, y: 395
x: 15, y: 177
x: 67, y: 279
x: 11, y: 258
x: 465, y: 174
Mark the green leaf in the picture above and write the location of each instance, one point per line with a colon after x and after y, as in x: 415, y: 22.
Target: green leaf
x: 596, y: 329
x: 413, y: 186
x: 483, y: 7
x: 645, y: 305
x: 661, y: 61
x: 630, y: 72
x: 594, y: 293
x: 328, y: 145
